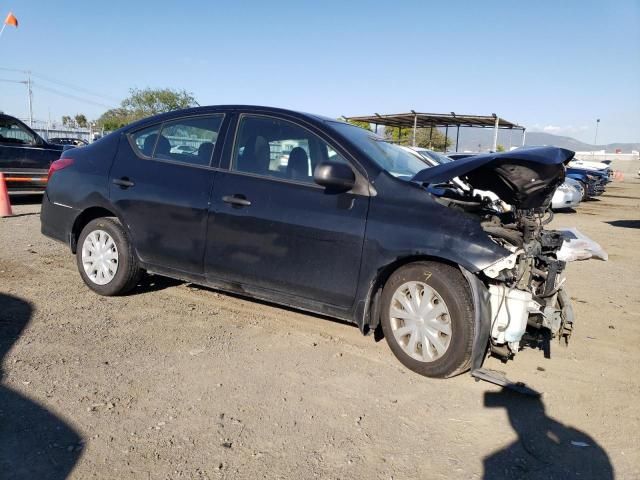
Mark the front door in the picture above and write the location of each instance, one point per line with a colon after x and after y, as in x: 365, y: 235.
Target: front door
x: 272, y: 227
x: 160, y: 183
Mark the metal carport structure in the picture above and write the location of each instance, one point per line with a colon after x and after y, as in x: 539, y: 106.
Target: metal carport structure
x: 415, y: 120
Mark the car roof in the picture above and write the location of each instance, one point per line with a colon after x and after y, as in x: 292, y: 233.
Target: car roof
x: 313, y: 118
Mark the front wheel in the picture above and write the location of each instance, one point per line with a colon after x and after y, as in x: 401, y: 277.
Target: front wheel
x: 583, y: 191
x: 105, y: 258
x: 427, y: 318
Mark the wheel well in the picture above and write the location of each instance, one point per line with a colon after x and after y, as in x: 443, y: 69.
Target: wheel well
x: 84, y: 218
x: 372, y: 320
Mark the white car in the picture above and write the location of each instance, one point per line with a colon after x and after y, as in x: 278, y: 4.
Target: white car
x: 567, y: 195
x: 588, y: 165
x: 185, y: 149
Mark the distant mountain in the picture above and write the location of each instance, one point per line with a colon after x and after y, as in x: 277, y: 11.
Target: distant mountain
x: 542, y: 138
x: 481, y: 139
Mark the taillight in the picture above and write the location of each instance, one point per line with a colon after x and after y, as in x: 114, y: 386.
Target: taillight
x: 59, y: 165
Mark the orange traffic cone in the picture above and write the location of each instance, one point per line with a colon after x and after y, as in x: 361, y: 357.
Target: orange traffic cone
x: 5, y: 204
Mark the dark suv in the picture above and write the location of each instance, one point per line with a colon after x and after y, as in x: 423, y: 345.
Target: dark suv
x: 322, y: 215
x: 24, y: 156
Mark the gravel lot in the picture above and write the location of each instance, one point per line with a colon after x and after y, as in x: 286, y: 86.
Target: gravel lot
x: 180, y: 381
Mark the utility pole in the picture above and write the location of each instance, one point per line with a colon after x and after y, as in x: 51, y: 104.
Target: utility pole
x: 30, y: 93
x: 595, y: 140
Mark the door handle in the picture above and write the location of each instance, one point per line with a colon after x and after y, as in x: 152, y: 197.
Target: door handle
x: 236, y: 200
x: 123, y: 182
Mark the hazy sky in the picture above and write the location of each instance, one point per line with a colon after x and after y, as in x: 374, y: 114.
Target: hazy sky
x: 549, y: 65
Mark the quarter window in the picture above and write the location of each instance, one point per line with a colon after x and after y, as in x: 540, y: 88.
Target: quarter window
x: 187, y: 140
x: 278, y: 148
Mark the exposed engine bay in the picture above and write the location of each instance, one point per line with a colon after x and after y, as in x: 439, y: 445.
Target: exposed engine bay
x: 510, y: 199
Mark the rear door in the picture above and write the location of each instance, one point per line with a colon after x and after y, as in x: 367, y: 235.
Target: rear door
x: 272, y: 227
x: 160, y: 183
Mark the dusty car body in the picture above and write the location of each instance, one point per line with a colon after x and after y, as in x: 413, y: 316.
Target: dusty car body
x: 323, y: 216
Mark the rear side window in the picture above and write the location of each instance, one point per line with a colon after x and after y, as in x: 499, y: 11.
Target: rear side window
x: 186, y: 140
x: 145, y: 140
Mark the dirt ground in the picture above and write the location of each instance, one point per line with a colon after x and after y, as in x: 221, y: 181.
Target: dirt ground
x: 177, y: 381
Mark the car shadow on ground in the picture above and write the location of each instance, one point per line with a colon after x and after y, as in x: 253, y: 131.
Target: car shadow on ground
x: 34, y: 443
x: 564, y: 210
x: 625, y: 223
x: 153, y: 283
x: 25, y: 199
x: 279, y: 306
x: 545, y: 448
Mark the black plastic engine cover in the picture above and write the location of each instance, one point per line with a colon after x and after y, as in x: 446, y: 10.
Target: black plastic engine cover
x: 526, y: 185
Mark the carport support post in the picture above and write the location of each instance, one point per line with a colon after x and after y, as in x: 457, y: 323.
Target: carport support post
x: 431, y: 136
x: 524, y: 135
x: 446, y: 137
x: 495, y: 134
x: 457, y: 137
x: 415, y: 126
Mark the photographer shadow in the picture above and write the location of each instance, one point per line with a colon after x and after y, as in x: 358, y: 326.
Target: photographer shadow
x: 545, y: 448
x: 34, y: 443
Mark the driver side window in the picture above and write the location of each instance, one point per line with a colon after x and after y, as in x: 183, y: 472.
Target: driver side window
x: 277, y: 148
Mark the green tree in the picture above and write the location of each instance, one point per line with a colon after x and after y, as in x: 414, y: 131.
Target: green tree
x: 115, y: 118
x: 365, y: 125
x: 424, y: 137
x: 67, y: 121
x: 500, y: 148
x: 81, y: 120
x: 145, y: 103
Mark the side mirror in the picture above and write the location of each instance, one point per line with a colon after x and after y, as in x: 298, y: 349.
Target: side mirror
x: 334, y: 176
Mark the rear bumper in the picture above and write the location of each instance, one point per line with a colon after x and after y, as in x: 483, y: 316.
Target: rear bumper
x: 56, y: 220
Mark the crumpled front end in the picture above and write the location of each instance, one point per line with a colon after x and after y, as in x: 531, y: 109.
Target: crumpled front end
x: 528, y: 300
x: 524, y: 298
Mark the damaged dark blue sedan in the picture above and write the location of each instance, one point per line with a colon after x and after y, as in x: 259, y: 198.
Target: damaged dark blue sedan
x: 449, y: 263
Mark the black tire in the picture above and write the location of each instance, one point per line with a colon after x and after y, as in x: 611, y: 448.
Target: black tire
x: 449, y: 283
x: 128, y: 271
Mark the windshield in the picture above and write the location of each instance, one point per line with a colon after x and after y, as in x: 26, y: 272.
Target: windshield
x: 435, y: 156
x: 388, y: 156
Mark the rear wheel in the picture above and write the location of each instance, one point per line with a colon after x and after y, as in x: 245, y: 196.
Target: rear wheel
x: 105, y: 258
x: 427, y: 318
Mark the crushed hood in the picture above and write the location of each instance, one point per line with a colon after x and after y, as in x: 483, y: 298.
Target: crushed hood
x: 525, y: 178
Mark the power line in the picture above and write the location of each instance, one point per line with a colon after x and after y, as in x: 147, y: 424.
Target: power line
x: 62, y: 83
x: 75, y: 87
x: 74, y: 97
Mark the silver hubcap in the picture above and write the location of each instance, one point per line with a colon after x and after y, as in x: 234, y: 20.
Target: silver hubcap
x: 100, y: 257
x: 420, y: 321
